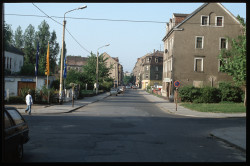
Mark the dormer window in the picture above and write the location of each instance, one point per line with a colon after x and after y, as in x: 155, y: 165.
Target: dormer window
x: 204, y: 20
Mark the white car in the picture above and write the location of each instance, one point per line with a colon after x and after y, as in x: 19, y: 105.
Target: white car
x: 113, y: 91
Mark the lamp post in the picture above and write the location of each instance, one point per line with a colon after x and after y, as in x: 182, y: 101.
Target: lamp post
x: 61, y: 71
x: 97, y: 86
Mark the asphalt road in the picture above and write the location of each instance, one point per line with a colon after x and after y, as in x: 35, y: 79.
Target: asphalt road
x: 127, y: 128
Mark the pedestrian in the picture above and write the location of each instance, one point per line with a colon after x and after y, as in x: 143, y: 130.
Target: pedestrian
x: 29, y: 102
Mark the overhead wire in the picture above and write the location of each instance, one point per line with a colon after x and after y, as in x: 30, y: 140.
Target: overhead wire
x: 104, y: 19
x: 62, y: 25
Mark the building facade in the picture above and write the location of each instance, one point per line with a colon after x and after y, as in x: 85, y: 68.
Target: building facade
x: 117, y: 69
x: 13, y: 59
x: 76, y: 62
x: 192, y: 45
x: 151, y: 71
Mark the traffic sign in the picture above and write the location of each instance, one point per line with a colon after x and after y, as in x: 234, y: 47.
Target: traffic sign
x: 177, y: 84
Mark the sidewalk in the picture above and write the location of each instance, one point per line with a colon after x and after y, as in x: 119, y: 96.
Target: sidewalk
x: 64, y: 108
x: 235, y: 136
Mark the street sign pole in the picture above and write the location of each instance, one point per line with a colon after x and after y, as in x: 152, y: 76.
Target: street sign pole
x: 176, y: 84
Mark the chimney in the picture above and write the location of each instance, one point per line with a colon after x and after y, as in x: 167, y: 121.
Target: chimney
x: 154, y: 50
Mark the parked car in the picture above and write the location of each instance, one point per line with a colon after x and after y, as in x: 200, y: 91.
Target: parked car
x: 134, y: 87
x: 121, y: 89
x: 113, y: 91
x: 16, y: 133
x: 128, y: 87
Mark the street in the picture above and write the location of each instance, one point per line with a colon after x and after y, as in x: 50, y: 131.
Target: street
x: 127, y: 128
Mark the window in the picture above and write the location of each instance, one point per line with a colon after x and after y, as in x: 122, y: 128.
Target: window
x: 219, y: 21
x: 204, y: 20
x: 16, y: 116
x: 157, y: 76
x: 198, y: 64
x: 146, y: 75
x: 147, y: 60
x: 223, y: 43
x: 147, y: 67
x: 7, y: 62
x: 169, y: 64
x: 156, y: 68
x: 221, y: 63
x: 20, y: 65
x: 199, y: 42
x: 156, y: 60
x: 10, y: 63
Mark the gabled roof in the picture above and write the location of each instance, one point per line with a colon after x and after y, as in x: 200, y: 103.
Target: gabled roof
x: 200, y: 8
x: 195, y: 12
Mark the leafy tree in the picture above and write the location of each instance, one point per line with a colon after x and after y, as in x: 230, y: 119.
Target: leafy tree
x: 74, y: 76
x: 27, y: 69
x: 128, y: 79
x: 29, y: 48
x: 8, y: 35
x: 234, y: 60
x: 43, y: 36
x: 54, y: 50
x: 89, y: 70
x: 19, y: 40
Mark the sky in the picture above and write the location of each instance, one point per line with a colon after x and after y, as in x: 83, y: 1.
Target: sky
x: 100, y: 24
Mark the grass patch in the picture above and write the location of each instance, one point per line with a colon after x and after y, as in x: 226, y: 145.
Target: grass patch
x: 216, y: 107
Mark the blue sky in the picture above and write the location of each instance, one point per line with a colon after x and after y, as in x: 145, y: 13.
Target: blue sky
x: 128, y: 40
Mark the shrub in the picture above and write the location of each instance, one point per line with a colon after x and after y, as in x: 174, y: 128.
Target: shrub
x: 189, y: 93
x: 210, y: 95
x: 16, y: 100
x: 24, y: 92
x: 230, y: 93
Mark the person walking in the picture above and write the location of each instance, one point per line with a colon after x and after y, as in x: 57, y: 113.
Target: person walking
x: 29, y: 102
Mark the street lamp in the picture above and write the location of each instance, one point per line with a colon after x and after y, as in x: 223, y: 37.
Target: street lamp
x: 97, y: 86
x: 61, y: 73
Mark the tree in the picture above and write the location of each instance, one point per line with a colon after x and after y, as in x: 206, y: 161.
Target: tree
x: 43, y: 36
x: 8, y: 35
x: 29, y: 48
x: 74, y: 76
x: 234, y: 60
x: 19, y: 41
x: 89, y: 70
x: 128, y: 79
x: 54, y: 50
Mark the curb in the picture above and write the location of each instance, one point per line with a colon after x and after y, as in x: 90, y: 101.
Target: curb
x: 229, y: 143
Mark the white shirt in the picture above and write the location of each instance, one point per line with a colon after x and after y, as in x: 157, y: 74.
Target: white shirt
x: 29, y: 100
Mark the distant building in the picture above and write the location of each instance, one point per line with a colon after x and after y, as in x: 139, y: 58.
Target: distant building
x: 126, y: 73
x: 192, y: 45
x: 148, y: 70
x: 151, y: 73
x: 76, y: 62
x: 117, y: 71
x: 13, y: 59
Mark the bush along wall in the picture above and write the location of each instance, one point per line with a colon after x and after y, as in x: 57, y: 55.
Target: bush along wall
x: 225, y: 92
x: 230, y: 93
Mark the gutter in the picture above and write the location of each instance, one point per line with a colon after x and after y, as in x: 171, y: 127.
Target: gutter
x: 169, y: 33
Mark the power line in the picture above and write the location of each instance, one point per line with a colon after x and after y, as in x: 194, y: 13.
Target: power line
x: 104, y: 19
x: 95, y: 19
x: 61, y: 24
